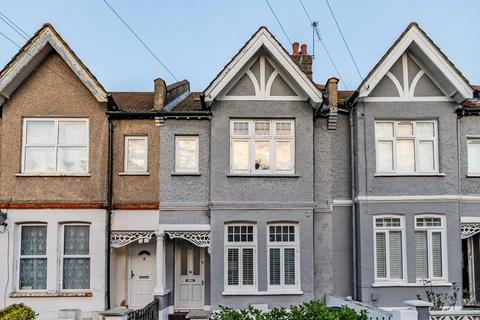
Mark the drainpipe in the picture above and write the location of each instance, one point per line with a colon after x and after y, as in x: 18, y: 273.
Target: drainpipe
x: 109, y: 211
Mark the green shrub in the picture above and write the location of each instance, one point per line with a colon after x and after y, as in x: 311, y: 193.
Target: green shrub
x: 17, y: 312
x: 313, y: 310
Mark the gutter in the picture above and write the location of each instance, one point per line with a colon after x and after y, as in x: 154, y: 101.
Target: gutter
x: 164, y: 114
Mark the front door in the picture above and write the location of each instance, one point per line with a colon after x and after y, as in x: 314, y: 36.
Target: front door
x: 141, y: 274
x: 189, y: 276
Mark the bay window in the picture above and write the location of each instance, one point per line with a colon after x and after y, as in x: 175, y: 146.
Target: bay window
x: 283, y: 261
x: 240, y: 257
x: 55, y: 146
x: 76, y: 257
x: 186, y: 154
x: 430, y: 247
x: 473, y: 151
x: 389, y: 248
x: 406, y: 147
x: 136, y: 152
x: 262, y: 146
x: 32, y: 272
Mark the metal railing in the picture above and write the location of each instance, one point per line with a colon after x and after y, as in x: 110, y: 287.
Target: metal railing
x: 149, y: 312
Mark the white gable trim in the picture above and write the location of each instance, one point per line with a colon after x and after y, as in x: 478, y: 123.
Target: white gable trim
x: 262, y: 38
x: 415, y: 35
x: 48, y: 36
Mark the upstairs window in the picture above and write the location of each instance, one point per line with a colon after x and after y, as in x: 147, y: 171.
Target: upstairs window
x: 406, y: 147
x: 473, y: 146
x: 55, y: 146
x: 430, y: 247
x: 389, y: 248
x: 136, y: 152
x: 186, y: 154
x: 262, y: 146
x: 33, y: 257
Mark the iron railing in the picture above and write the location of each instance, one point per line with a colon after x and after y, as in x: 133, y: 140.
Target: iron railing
x: 149, y: 312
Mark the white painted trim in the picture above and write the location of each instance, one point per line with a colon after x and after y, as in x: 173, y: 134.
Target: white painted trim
x: 182, y: 227
x: 183, y: 206
x: 125, y: 155
x: 422, y: 198
x: 470, y: 219
x: 263, y: 293
x: 342, y: 202
x: 396, y: 83
x: 406, y: 99
x: 411, y: 284
x: 415, y: 80
x: 262, y: 39
x: 217, y: 205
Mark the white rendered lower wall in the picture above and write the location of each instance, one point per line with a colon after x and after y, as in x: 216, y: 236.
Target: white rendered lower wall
x: 48, y: 307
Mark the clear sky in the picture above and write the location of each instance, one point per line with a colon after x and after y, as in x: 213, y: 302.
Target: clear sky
x: 196, y: 38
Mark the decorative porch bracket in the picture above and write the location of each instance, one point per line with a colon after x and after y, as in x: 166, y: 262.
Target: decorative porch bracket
x: 122, y: 238
x: 198, y: 238
x: 469, y: 229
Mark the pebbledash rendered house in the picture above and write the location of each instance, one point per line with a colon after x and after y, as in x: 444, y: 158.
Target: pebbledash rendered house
x: 265, y: 190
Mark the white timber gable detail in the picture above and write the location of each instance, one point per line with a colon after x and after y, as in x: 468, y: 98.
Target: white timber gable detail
x: 262, y: 66
x: 415, y: 62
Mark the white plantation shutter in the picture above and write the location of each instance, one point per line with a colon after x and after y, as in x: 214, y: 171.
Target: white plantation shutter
x: 437, y: 254
x: 421, y: 255
x: 381, y: 252
x: 274, y: 266
x: 396, y: 264
x: 289, y: 266
x: 232, y: 266
x: 247, y: 257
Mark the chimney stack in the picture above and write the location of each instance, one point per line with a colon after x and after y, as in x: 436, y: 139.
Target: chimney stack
x: 159, y: 94
x: 332, y: 92
x: 302, y: 59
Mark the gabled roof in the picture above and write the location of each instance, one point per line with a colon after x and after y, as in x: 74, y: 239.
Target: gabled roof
x: 33, y: 52
x: 263, y: 39
x: 413, y: 34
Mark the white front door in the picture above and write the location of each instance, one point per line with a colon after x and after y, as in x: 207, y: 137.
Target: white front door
x: 189, y: 276
x: 141, y: 274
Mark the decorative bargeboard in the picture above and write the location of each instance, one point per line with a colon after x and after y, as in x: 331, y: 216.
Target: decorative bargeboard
x: 122, y: 238
x: 198, y: 238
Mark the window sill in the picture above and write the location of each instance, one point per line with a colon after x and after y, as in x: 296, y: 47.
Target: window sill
x: 47, y: 294
x: 263, y: 293
x: 134, y: 174
x: 253, y: 175
x: 409, y: 174
x: 53, y: 174
x: 410, y: 284
x: 193, y: 174
x: 473, y: 175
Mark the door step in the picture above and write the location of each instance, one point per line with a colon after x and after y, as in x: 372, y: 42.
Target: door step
x: 178, y: 316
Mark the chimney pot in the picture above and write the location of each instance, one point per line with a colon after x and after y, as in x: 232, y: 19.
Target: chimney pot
x: 159, y: 94
x: 303, y: 49
x: 295, y: 48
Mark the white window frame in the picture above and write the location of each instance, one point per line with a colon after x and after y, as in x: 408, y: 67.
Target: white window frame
x: 240, y: 246
x: 386, y: 231
x: 20, y: 256
x: 282, y: 246
x: 430, y: 230
x: 125, y: 160
x: 472, y: 141
x: 177, y: 150
x: 251, y: 138
x: 55, y: 145
x: 65, y: 256
x: 416, y: 140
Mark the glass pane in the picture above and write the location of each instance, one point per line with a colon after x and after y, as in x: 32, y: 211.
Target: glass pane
x: 33, y: 274
x: 137, y: 155
x: 289, y: 265
x: 262, y: 155
x: 240, y: 155
x: 72, y: 132
x: 72, y: 159
x: 405, y: 129
x: 474, y: 157
x: 76, y: 273
x: 247, y: 256
x: 421, y: 255
x: 283, y: 128
x: 187, y: 154
x: 77, y: 240
x: 274, y: 266
x: 262, y: 128
x: 381, y: 255
x: 385, y: 156
x: 396, y: 261
x: 384, y: 129
x: 40, y: 159
x: 240, y: 128
x: 183, y: 260
x: 425, y: 130
x: 426, y: 157
x: 284, y: 155
x: 232, y: 266
x: 405, y: 156
x: 196, y: 261
x: 40, y: 132
x: 437, y: 254
x: 34, y: 241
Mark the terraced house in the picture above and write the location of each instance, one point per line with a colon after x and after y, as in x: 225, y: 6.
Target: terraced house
x: 266, y: 189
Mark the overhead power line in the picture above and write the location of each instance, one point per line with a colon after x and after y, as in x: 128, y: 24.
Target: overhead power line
x: 140, y: 40
x: 344, y: 40
x: 14, y: 26
x: 314, y: 25
x: 278, y: 20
